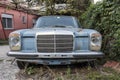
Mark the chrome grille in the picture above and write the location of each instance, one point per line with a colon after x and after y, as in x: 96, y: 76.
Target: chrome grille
x: 54, y: 43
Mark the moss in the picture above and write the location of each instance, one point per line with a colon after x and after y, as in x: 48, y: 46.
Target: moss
x: 3, y: 42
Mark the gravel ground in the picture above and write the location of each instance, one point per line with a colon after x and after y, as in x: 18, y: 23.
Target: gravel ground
x: 7, y: 70
x: 10, y: 71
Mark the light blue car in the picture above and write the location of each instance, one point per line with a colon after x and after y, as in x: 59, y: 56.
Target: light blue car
x: 55, y: 40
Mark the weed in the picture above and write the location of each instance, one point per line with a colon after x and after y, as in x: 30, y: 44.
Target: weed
x: 68, y: 72
x: 111, y: 75
x: 1, y: 60
x: 30, y: 70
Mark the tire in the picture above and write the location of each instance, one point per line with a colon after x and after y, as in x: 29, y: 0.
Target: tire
x: 22, y: 65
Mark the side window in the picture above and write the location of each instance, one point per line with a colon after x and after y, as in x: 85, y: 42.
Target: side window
x: 24, y: 19
x: 7, y: 21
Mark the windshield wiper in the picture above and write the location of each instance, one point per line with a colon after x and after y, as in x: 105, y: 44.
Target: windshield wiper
x: 59, y: 26
x: 55, y: 26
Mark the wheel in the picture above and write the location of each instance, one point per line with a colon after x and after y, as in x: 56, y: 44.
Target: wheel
x: 22, y: 65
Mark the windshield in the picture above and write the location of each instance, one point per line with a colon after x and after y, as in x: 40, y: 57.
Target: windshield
x: 56, y: 21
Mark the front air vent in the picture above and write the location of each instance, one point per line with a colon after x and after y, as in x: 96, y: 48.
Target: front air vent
x: 54, y: 43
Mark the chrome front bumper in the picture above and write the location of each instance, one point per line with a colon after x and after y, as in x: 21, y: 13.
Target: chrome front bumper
x: 56, y: 58
x: 80, y: 54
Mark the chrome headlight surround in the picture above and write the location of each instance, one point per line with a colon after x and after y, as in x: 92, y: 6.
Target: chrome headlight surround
x: 95, y: 41
x: 15, y: 41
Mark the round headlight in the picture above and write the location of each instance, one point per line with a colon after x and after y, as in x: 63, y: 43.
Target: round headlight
x: 96, y: 40
x: 14, y: 41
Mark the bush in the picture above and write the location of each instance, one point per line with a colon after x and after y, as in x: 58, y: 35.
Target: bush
x: 105, y: 17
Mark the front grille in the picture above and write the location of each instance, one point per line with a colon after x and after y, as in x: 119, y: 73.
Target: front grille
x: 54, y: 43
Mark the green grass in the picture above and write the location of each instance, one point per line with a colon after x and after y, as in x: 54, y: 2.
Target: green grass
x: 68, y: 73
x: 105, y: 74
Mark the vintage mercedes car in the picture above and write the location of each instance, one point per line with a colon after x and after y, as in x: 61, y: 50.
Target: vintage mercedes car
x: 55, y: 40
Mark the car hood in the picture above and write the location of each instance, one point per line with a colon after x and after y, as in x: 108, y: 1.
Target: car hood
x: 59, y: 31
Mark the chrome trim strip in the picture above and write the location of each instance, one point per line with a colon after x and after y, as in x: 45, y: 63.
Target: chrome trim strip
x: 28, y: 37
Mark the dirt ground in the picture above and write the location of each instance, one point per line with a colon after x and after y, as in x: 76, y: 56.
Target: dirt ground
x: 10, y: 71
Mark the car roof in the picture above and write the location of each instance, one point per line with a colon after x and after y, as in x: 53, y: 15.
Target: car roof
x: 57, y: 16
